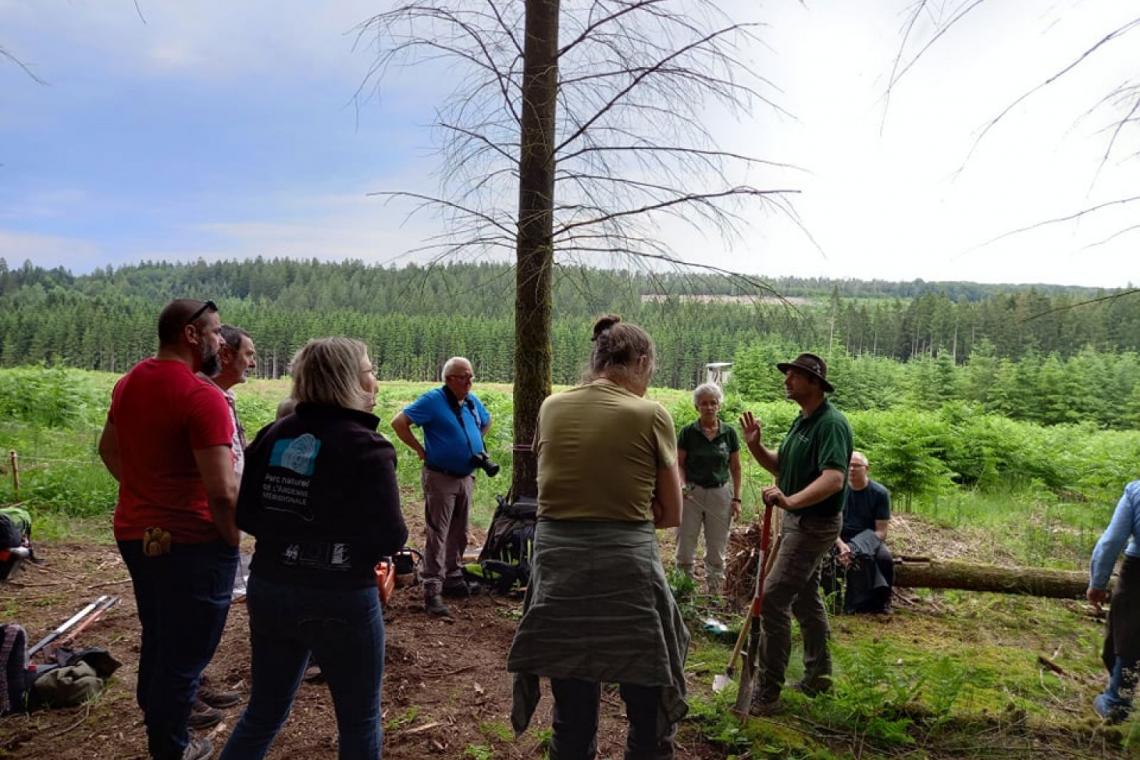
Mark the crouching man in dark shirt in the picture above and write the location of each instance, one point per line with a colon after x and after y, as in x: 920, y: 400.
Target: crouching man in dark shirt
x: 860, y: 549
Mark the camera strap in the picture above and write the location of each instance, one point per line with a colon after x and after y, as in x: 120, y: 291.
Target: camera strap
x: 457, y: 407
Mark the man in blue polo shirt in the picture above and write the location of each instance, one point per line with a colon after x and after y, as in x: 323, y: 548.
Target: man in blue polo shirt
x: 454, y: 422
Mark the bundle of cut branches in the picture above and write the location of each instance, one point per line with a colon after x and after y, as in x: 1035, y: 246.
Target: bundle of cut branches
x: 740, y: 565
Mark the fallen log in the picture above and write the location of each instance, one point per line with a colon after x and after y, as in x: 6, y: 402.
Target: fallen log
x: 914, y: 572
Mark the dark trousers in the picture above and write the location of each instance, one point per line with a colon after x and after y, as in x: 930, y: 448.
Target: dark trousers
x: 183, y: 599
x: 852, y: 589
x: 792, y: 588
x: 576, y: 721
x: 344, y: 629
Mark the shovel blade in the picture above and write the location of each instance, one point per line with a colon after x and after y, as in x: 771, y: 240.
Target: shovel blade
x: 721, y: 682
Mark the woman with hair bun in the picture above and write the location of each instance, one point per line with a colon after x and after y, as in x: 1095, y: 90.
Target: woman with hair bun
x: 319, y: 494
x: 598, y: 608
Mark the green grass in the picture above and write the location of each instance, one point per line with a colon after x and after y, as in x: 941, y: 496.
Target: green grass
x: 55, y: 416
x: 963, y: 673
x: 1029, y: 527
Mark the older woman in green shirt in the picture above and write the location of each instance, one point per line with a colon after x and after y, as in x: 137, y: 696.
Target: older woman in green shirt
x: 708, y: 456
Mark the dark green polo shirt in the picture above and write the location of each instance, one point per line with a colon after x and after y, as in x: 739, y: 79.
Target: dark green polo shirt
x: 820, y: 442
x: 706, y: 462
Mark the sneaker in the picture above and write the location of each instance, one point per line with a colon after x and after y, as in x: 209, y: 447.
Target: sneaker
x: 1112, y: 711
x: 434, y: 606
x: 198, y: 749
x: 218, y: 698
x: 203, y: 716
x: 461, y: 589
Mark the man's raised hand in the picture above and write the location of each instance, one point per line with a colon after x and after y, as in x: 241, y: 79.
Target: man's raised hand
x: 752, y: 428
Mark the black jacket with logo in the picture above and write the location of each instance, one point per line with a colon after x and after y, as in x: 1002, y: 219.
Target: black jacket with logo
x: 319, y: 493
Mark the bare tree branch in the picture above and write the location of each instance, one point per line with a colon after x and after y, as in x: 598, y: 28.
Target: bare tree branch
x: 1109, y: 297
x: 1114, y: 34
x: 31, y: 74
x: 1055, y: 220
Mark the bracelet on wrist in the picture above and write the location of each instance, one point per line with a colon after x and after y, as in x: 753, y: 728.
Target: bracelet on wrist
x: 735, y: 498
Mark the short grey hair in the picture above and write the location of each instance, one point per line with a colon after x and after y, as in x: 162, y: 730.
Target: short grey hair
x: 707, y: 389
x: 450, y: 365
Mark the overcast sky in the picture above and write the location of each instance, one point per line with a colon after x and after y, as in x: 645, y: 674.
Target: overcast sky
x: 228, y: 130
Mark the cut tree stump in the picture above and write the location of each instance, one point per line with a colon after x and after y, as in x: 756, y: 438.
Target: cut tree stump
x: 918, y: 572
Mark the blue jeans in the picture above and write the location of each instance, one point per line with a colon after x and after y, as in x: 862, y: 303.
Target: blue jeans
x: 344, y: 629
x: 183, y: 599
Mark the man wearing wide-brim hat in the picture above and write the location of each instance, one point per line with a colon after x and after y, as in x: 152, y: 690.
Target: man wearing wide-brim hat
x: 810, y: 467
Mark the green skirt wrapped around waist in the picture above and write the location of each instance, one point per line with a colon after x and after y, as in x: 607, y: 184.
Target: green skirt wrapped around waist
x: 598, y: 608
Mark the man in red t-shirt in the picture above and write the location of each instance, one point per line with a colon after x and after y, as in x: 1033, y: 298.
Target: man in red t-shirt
x: 167, y: 441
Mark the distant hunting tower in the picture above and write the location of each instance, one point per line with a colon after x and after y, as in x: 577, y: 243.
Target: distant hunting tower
x: 718, y: 372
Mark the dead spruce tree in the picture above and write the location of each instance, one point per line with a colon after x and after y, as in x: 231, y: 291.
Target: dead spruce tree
x: 576, y: 129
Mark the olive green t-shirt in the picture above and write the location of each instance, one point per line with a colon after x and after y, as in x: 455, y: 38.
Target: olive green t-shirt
x: 820, y: 442
x: 599, y: 449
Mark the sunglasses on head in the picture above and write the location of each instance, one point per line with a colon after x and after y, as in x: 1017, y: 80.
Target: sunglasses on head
x: 207, y: 306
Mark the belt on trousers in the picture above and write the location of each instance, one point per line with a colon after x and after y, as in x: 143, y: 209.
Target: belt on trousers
x: 448, y: 473
x: 710, y: 487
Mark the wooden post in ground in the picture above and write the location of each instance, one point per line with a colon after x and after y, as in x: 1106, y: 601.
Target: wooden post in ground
x: 14, y: 460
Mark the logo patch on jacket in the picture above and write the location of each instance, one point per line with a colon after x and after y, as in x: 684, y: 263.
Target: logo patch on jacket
x: 297, y: 454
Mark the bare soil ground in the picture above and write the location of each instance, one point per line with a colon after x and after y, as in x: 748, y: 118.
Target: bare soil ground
x: 446, y: 690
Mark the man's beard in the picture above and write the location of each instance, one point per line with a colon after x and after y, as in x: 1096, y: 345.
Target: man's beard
x: 210, y: 364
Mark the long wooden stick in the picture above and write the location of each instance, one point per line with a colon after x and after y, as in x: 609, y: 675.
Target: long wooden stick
x: 748, y: 618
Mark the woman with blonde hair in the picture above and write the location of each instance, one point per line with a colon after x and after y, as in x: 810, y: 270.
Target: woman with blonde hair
x: 598, y: 608
x: 319, y: 494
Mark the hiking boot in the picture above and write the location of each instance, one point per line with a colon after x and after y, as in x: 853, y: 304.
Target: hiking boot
x: 765, y: 708
x: 219, y: 698
x: 461, y: 589
x: 812, y: 688
x: 203, y: 716
x: 434, y: 606
x: 198, y: 749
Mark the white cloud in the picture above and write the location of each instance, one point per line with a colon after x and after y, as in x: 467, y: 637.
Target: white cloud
x: 76, y: 254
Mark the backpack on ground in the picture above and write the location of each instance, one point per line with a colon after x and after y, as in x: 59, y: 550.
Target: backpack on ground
x: 15, y: 539
x: 13, y: 668
x: 505, y: 560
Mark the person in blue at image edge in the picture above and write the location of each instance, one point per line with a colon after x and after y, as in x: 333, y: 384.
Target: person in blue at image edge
x: 1121, y: 652
x: 319, y: 493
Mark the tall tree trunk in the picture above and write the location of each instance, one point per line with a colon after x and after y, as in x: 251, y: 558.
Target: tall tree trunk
x: 535, y: 250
